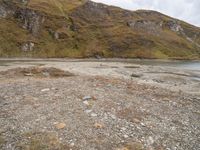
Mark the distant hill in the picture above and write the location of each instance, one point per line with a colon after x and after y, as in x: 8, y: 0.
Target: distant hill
x: 82, y: 28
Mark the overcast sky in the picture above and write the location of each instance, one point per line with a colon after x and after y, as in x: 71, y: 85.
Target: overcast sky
x: 187, y: 10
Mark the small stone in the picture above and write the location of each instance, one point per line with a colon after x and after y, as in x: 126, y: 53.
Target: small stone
x: 126, y: 136
x: 113, y: 116
x: 88, y: 111
x: 85, y: 98
x: 136, y: 75
x: 46, y: 74
x: 93, y: 115
x: 122, y: 141
x: 150, y: 141
x: 98, y: 125
x: 28, y: 74
x: 72, y: 144
x: 136, y: 120
x: 45, y: 90
x: 60, y: 125
x: 86, y: 103
x: 123, y: 148
x: 123, y: 128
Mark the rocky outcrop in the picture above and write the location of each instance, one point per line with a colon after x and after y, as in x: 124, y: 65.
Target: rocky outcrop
x: 146, y: 26
x: 155, y: 27
x: 27, y: 46
x: 173, y: 25
x: 3, y: 12
x: 92, y: 29
x: 30, y: 19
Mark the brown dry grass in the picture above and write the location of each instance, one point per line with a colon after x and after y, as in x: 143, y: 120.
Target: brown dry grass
x: 41, y: 141
x: 36, y: 72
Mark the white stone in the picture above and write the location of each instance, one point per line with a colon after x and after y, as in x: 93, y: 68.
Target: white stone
x: 93, y: 115
x: 86, y: 103
x: 88, y: 111
x: 45, y: 90
x: 87, y: 98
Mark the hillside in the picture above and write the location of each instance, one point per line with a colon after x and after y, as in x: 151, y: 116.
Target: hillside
x: 81, y: 28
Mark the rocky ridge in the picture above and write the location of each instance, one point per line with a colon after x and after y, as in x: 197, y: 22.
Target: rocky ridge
x: 88, y: 29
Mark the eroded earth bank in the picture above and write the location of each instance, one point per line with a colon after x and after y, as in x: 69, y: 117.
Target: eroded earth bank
x: 74, y: 104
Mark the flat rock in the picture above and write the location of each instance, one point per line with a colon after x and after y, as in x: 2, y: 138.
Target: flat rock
x: 60, y: 125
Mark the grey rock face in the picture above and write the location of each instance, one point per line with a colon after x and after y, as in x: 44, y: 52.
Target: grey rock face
x: 145, y: 25
x: 174, y: 26
x: 28, y: 46
x: 25, y: 1
x: 32, y: 21
x: 3, y: 12
x: 22, y: 1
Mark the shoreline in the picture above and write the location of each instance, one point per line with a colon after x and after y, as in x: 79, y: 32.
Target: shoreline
x: 95, y: 59
x: 161, y: 75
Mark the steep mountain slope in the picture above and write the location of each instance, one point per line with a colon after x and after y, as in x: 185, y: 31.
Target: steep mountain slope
x: 81, y: 28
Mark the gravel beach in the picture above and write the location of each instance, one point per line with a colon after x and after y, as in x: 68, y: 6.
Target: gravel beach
x: 72, y: 105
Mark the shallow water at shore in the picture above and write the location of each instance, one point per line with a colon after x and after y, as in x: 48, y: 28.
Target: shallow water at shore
x: 189, y: 65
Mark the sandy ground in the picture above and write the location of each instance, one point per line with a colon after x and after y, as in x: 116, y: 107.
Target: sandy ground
x: 100, y: 105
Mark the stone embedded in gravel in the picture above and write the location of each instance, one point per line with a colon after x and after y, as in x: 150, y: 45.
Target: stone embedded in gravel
x: 124, y: 148
x: 136, y: 120
x: 93, y: 115
x: 126, y: 136
x: 132, y: 146
x: 60, y: 125
x: 88, y: 111
x: 136, y: 75
x: 45, y: 90
x: 150, y: 140
x: 86, y: 103
x: 113, y: 116
x: 85, y: 98
x: 28, y: 74
x: 123, y: 128
x: 72, y: 144
x: 98, y: 125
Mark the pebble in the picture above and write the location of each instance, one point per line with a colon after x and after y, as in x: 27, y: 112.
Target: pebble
x: 113, y: 116
x: 45, y: 90
x: 85, y: 98
x: 98, y: 125
x: 88, y: 111
x: 126, y: 136
x: 86, y: 103
x: 28, y: 74
x: 93, y: 115
x: 150, y: 140
x: 72, y: 144
x: 60, y: 125
x: 123, y: 128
